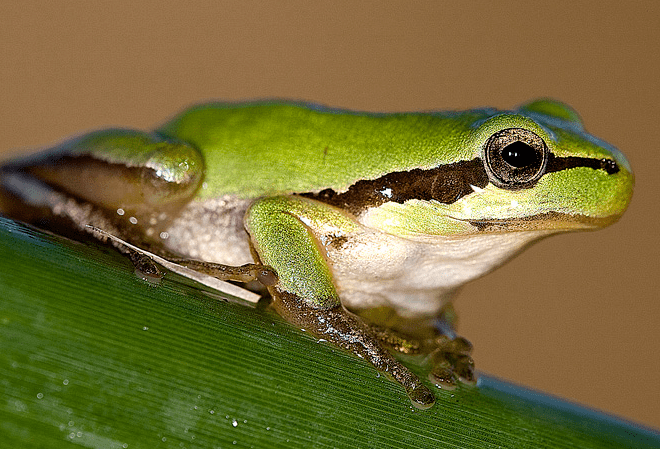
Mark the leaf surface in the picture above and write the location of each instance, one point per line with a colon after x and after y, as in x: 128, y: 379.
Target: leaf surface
x: 94, y: 356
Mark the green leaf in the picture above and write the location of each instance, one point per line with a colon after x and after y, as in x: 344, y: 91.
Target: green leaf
x: 92, y: 355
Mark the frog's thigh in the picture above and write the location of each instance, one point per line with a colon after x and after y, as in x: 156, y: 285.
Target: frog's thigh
x: 283, y: 242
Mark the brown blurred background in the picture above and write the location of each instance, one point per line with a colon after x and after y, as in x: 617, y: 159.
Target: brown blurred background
x: 577, y: 315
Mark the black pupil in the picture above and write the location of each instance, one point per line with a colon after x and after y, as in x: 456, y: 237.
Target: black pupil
x: 519, y: 154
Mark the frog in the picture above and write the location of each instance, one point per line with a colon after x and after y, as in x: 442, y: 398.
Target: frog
x: 359, y: 227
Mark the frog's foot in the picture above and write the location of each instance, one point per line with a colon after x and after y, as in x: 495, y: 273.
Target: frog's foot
x: 449, y: 354
x: 245, y: 273
x: 342, y: 328
x: 452, y: 362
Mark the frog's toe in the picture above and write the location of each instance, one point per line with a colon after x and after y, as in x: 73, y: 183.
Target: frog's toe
x: 460, y: 345
x: 464, y: 368
x: 421, y: 397
x: 452, y: 362
x: 443, y: 376
x: 456, y: 346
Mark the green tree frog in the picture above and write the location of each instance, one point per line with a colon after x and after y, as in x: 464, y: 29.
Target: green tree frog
x: 360, y: 225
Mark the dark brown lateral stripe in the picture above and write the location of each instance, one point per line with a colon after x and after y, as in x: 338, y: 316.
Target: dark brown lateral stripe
x: 556, y: 164
x: 445, y: 184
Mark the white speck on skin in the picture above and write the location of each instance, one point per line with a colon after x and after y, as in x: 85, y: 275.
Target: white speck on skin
x: 392, y: 222
x: 133, y: 220
x: 120, y: 211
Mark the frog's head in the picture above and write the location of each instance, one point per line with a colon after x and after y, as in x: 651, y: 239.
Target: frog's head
x: 532, y: 169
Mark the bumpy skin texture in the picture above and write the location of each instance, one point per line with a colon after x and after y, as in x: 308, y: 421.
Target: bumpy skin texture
x: 387, y: 214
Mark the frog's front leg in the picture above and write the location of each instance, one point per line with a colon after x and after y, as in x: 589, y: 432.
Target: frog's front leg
x: 282, y: 235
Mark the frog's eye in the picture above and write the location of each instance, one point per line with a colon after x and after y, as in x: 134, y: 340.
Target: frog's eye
x: 515, y: 158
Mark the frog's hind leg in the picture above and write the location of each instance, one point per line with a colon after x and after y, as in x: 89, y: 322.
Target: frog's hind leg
x: 244, y: 273
x: 127, y: 182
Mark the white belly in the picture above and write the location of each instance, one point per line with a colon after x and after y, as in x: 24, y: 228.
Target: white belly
x: 416, y: 278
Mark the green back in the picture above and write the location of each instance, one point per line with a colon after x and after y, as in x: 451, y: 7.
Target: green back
x: 255, y: 149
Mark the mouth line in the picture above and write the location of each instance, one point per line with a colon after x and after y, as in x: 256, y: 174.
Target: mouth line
x: 544, y: 221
